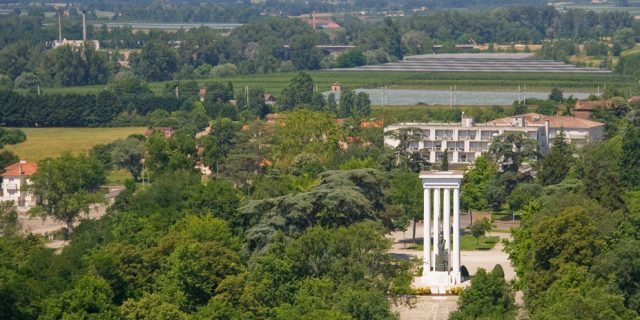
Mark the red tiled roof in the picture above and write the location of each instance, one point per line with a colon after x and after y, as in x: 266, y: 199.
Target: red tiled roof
x: 554, y: 121
x: 20, y: 169
x: 591, y: 105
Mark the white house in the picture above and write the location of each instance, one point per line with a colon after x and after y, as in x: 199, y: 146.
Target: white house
x: 466, y: 140
x: 13, y: 179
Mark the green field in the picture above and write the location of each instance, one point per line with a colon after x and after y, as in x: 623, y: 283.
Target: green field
x: 50, y: 142
x: 274, y: 83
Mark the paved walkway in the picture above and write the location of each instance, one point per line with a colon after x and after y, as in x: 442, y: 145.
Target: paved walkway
x: 435, y: 307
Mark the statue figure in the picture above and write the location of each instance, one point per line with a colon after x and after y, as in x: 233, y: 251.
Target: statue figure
x: 442, y: 257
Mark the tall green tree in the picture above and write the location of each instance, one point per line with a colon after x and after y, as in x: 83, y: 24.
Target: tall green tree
x: 555, y: 166
x: 629, y: 159
x: 407, y: 194
x: 298, y: 93
x: 156, y: 62
x: 67, y: 185
x: 512, y: 148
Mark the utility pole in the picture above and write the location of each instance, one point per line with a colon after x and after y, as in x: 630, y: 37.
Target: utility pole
x: 59, y: 26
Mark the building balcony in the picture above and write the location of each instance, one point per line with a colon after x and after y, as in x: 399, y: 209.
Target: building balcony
x: 12, y: 186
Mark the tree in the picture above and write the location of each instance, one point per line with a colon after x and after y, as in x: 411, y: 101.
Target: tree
x: 27, y: 80
x: 556, y: 95
x: 89, y: 298
x: 224, y: 70
x: 127, y: 84
x: 151, y: 307
x: 304, y: 54
x: 156, y: 62
x: 488, y: 297
x: 67, y: 186
x: 347, y: 101
x: 350, y: 58
x: 9, y: 224
x: 522, y: 195
x: 5, y: 82
x: 479, y: 229
x: 128, y: 154
x: 475, y: 181
x: 629, y: 164
x: 304, y: 130
x: 298, y: 93
x: 7, y: 158
x: 444, y: 166
x: 361, y: 108
x: 512, y: 148
x: 407, y: 194
x: 620, y: 106
x: 555, y: 166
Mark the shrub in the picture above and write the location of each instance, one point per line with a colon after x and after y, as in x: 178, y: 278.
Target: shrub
x: 498, y: 271
x: 224, y: 70
x: 423, y: 291
x: 454, y: 291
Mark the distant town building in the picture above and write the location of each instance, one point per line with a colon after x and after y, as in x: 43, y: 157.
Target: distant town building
x: 466, y: 140
x: 329, y: 24
x: 584, y: 108
x: 75, y: 43
x: 15, y: 177
x: 168, y: 132
x: 269, y: 99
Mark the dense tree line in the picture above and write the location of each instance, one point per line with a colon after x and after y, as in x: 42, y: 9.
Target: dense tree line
x: 76, y: 110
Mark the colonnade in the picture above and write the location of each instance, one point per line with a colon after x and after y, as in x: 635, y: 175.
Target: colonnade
x: 438, y: 186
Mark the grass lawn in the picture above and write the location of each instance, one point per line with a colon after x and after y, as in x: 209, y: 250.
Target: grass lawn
x: 50, y: 142
x: 118, y: 176
x: 467, y: 243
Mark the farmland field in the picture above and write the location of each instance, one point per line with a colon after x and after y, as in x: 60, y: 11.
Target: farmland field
x: 50, y: 142
x: 467, y: 81
x: 479, y: 62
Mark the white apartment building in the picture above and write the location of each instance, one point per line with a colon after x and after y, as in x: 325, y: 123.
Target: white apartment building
x: 578, y: 131
x: 13, y: 179
x: 466, y: 140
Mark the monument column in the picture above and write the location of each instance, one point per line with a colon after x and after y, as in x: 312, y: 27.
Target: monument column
x: 456, y: 230
x: 446, y: 224
x: 427, y: 231
x: 436, y: 224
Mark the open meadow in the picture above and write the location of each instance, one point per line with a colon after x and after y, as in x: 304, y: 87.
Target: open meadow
x: 50, y: 142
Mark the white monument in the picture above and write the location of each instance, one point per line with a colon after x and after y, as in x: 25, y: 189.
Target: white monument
x: 442, y: 264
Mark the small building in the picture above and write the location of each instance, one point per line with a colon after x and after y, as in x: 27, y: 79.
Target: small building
x: 584, y: 108
x: 328, y: 24
x: 168, y: 132
x: 76, y: 43
x: 336, y: 87
x: 269, y: 99
x: 202, y: 93
x: 14, y: 178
